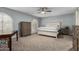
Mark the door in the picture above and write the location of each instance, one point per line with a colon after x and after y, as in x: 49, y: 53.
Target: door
x: 34, y: 26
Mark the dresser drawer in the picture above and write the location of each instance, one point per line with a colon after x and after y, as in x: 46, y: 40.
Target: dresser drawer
x: 76, y: 29
x: 76, y: 38
x: 74, y: 44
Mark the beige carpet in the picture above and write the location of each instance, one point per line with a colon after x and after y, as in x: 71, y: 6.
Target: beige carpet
x: 42, y: 43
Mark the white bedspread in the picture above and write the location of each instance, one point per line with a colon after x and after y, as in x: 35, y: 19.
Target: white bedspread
x: 54, y: 29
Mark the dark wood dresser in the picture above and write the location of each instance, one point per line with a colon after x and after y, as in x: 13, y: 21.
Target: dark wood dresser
x: 25, y: 28
x: 76, y: 38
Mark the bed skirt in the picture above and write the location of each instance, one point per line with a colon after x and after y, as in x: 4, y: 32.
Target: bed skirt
x: 48, y: 33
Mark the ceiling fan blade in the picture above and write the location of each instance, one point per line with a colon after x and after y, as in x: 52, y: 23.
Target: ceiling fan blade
x: 44, y: 10
x: 49, y: 11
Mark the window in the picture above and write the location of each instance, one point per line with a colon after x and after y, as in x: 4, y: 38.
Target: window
x: 6, y: 24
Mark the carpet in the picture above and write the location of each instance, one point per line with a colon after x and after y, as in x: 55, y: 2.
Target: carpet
x: 37, y: 42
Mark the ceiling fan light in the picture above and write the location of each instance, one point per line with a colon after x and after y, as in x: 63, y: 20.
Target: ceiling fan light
x: 43, y: 12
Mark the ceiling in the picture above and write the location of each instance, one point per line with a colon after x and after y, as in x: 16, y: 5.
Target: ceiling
x: 55, y: 11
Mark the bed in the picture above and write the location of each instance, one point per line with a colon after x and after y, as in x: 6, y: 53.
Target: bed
x: 50, y: 29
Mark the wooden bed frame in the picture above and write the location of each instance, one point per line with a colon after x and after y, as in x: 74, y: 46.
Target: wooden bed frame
x: 9, y: 36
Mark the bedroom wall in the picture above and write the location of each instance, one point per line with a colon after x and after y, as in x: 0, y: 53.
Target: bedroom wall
x: 67, y: 20
x: 17, y: 16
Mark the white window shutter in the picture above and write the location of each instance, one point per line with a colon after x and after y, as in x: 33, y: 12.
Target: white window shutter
x: 7, y: 27
x: 0, y: 24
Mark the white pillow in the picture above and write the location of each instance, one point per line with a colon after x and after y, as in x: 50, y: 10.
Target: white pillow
x: 52, y: 25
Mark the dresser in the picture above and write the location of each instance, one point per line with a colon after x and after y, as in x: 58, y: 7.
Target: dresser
x: 76, y: 38
x: 25, y: 28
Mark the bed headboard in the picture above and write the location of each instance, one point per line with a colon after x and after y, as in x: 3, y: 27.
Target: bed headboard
x: 57, y: 24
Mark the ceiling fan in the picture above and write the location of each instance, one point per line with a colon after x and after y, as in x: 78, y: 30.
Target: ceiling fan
x: 44, y: 10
